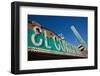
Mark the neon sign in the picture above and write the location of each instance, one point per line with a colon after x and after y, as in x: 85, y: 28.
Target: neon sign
x: 45, y: 39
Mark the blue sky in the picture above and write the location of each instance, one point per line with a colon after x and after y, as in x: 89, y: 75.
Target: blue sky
x: 62, y: 24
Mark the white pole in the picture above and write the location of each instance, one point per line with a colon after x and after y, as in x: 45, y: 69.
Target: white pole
x: 78, y: 36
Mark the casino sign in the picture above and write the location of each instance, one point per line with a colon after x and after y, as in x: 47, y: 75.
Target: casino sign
x: 41, y: 39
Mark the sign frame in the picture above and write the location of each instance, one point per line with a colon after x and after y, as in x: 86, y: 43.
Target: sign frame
x: 15, y: 37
